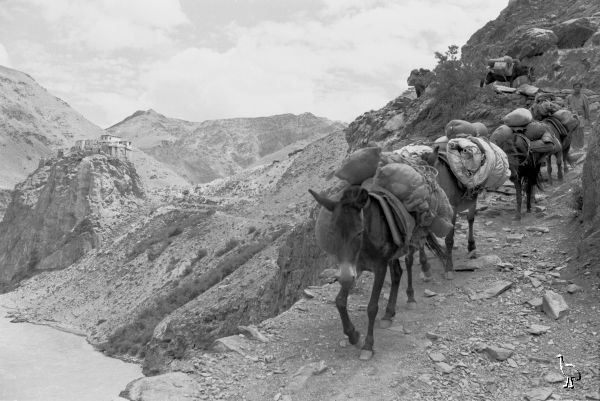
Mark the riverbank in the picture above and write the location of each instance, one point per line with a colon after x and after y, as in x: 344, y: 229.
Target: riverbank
x: 42, y: 362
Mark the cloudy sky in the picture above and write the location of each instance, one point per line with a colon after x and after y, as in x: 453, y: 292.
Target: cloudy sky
x: 208, y: 59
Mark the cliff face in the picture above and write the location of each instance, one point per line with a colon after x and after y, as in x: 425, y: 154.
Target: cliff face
x: 62, y: 210
x: 202, y: 152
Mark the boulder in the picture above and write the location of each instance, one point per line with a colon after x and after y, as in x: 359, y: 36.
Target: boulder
x: 166, y: 387
x: 534, y: 42
x: 554, y: 305
x: 574, y: 32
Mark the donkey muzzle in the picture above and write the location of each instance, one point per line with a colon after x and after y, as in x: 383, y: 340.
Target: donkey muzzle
x: 347, y: 274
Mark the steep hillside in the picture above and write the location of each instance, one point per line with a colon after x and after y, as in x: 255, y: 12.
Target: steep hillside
x: 234, y: 251
x: 33, y: 124
x: 62, y: 210
x: 522, y: 29
x: 559, y: 38
x: 202, y: 152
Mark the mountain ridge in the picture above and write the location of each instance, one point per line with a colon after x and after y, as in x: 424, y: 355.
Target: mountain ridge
x: 204, y: 151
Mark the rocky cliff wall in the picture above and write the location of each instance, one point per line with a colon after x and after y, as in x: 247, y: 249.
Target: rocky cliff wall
x: 63, y: 210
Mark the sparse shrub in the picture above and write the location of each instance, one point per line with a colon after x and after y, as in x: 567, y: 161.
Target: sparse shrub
x: 199, y: 255
x: 229, y: 245
x: 453, y: 84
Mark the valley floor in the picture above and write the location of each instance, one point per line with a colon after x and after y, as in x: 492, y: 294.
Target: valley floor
x: 304, y: 359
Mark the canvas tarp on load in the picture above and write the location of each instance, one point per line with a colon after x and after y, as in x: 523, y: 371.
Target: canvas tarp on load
x: 477, y: 162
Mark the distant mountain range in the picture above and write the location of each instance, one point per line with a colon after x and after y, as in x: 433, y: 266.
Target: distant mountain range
x: 204, y: 151
x: 168, y: 151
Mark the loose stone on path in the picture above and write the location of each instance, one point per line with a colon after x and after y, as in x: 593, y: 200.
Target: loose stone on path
x: 539, y: 394
x: 537, y: 329
x: 554, y: 305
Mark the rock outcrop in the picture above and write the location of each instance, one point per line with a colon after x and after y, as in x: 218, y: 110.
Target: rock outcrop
x: 60, y: 212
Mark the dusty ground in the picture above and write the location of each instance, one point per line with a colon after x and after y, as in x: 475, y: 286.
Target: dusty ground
x: 402, y: 368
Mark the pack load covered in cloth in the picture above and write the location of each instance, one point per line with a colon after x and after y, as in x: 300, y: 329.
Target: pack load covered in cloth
x: 477, y: 163
x: 567, y: 119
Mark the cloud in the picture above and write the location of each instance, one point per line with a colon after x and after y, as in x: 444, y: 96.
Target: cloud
x: 3, y: 56
x: 109, y: 25
x: 355, y: 56
x: 336, y: 58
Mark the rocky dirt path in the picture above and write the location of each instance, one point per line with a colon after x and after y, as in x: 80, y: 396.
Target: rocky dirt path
x: 462, y: 343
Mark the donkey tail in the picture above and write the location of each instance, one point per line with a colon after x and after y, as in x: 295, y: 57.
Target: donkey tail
x: 435, y: 247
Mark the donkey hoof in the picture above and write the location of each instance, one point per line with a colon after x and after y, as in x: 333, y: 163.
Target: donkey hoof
x: 517, y: 217
x: 385, y: 323
x: 425, y: 276
x: 365, y: 354
x: 411, y: 305
x: 449, y: 275
x: 472, y: 254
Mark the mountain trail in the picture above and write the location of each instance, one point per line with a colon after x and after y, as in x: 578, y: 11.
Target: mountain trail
x: 432, y: 352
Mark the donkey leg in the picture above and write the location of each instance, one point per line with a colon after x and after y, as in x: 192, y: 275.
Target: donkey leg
x: 529, y: 193
x: 449, y: 268
x: 341, y: 302
x: 559, y: 166
x: 390, y: 310
x: 471, y: 219
x: 425, y: 266
x: 519, y: 194
x: 565, y: 157
x: 367, y: 350
x: 410, y: 293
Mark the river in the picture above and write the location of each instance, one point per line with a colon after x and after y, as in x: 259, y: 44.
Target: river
x: 44, y: 364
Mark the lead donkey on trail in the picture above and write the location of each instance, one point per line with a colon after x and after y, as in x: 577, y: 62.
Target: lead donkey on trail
x: 361, y: 240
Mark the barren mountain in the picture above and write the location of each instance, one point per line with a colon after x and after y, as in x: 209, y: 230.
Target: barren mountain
x: 33, y: 124
x: 202, y: 152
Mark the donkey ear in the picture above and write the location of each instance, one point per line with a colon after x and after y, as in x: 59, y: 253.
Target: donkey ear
x: 323, y: 201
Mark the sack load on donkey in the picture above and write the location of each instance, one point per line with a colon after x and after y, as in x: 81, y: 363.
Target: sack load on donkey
x: 518, y: 118
x: 502, y: 65
x: 400, y: 174
x: 537, y: 133
x: 477, y: 163
x: 359, y: 166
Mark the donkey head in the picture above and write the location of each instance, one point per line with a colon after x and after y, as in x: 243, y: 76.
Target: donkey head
x: 347, y: 228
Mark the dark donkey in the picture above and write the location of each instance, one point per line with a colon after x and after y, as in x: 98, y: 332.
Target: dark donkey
x: 460, y: 199
x: 518, y: 70
x: 524, y: 167
x: 564, y: 135
x: 361, y: 240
